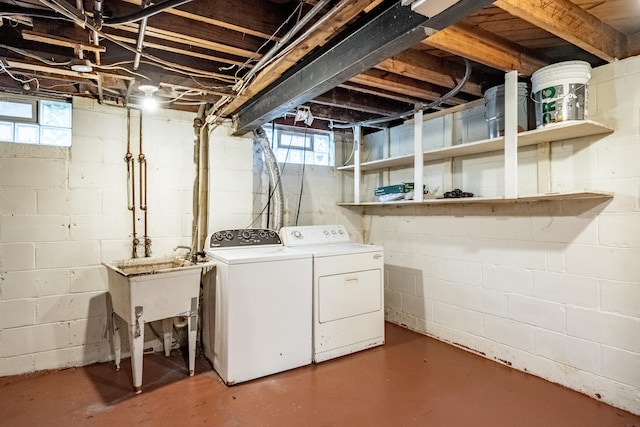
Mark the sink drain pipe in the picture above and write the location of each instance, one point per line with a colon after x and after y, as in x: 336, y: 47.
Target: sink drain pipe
x: 260, y: 136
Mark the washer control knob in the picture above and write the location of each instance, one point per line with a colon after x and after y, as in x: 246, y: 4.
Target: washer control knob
x: 341, y: 231
x: 263, y: 233
x: 218, y: 236
x: 333, y: 232
x: 326, y: 232
x: 272, y: 234
x: 297, y: 234
x: 246, y: 235
x: 228, y: 236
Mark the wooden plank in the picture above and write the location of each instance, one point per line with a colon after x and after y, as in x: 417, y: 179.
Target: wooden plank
x: 422, y: 66
x: 189, y: 40
x: 253, y: 17
x: 569, y: 195
x: 61, y: 41
x: 168, y: 46
x: 411, y: 100
x: 572, y: 23
x: 407, y: 86
x: 345, y: 98
x: 479, y: 45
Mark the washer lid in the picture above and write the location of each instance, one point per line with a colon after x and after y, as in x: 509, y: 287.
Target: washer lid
x: 246, y: 255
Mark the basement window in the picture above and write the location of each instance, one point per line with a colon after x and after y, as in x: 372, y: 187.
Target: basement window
x: 302, y: 146
x: 26, y: 120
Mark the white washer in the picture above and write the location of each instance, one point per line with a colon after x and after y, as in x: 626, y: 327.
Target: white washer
x: 348, y: 289
x: 257, y: 312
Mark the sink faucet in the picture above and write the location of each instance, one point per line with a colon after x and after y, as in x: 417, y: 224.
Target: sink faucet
x: 182, y: 247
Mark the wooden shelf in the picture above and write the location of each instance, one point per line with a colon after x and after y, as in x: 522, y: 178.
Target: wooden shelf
x: 572, y: 195
x: 555, y: 132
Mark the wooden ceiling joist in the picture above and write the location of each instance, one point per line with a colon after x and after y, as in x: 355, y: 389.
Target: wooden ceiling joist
x: 400, y: 84
x: 486, y: 48
x: 421, y: 66
x: 571, y: 23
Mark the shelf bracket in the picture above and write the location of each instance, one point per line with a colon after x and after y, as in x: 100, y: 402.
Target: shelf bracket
x: 511, y: 135
x: 418, y: 159
x: 357, y: 140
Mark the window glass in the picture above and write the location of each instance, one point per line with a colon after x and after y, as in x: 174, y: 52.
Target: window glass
x: 27, y: 133
x: 55, y: 136
x: 54, y: 113
x: 51, y: 126
x: 17, y: 110
x: 299, y: 145
x: 6, y: 131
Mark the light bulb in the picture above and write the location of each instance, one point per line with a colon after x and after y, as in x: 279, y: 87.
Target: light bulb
x: 149, y: 102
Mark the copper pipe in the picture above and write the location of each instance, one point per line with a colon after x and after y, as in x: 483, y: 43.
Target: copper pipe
x: 143, y: 193
x: 131, y: 187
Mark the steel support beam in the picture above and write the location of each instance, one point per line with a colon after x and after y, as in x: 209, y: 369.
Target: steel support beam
x: 392, y: 31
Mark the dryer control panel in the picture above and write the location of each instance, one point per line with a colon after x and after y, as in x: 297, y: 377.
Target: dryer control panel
x: 243, y: 237
x: 314, y: 235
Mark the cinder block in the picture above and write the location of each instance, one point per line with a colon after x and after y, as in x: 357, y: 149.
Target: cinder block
x: 31, y: 228
x: 85, y: 175
x: 35, y: 283
x: 392, y: 299
x: 112, y: 176
x: 88, y: 279
x: 605, y: 328
x: 17, y: 201
x: 620, y: 297
x: 53, y: 201
x: 32, y: 172
x: 507, y: 279
x: 67, y: 254
x: 17, y: 312
x: 72, y: 356
x: 99, y: 227
x: 578, y: 353
x: 61, y: 308
x: 17, y: 256
x: 479, y: 299
x: 16, y: 365
x: 436, y: 290
x: 33, y: 339
x: 88, y: 331
x: 566, y: 288
x: 537, y: 312
x: 402, y: 283
x: 87, y: 148
x: 570, y: 229
x: 529, y: 255
x: 85, y: 201
x: 417, y: 307
x: 468, y: 273
x: 603, y: 262
x: 621, y: 230
x: 509, y: 332
x: 457, y: 318
x: 622, y: 366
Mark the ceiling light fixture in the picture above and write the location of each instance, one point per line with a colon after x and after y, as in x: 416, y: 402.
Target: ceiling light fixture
x: 81, y: 66
x: 149, y: 102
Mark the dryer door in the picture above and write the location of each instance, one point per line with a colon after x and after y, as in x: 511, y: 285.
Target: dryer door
x: 349, y: 294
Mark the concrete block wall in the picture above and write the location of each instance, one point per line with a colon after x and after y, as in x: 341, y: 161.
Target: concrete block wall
x: 553, y: 288
x: 63, y: 211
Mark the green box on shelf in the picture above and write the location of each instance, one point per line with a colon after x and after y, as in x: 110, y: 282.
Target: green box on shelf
x: 394, y: 189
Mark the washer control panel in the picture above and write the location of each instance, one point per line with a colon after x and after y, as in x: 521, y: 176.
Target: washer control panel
x: 243, y: 237
x: 314, y: 235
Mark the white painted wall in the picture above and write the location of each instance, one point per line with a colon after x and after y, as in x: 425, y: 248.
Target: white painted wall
x: 63, y: 211
x: 552, y: 289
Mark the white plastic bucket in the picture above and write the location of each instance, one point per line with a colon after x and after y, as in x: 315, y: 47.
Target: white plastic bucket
x: 560, y: 92
x: 494, y: 104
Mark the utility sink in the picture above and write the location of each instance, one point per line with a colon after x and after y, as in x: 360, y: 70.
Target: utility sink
x: 149, y: 289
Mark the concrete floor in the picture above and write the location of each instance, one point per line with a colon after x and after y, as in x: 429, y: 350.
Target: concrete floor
x: 412, y: 380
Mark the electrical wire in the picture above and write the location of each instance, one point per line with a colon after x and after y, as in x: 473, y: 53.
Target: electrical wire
x: 19, y: 80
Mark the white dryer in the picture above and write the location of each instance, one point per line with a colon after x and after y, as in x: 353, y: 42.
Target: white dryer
x: 257, y: 310
x: 348, y: 289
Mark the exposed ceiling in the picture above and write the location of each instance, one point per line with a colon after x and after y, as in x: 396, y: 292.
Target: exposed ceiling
x: 259, y: 60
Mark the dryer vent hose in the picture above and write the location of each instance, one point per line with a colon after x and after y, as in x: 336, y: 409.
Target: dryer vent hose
x: 260, y: 136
